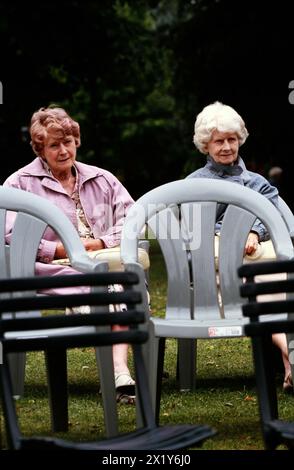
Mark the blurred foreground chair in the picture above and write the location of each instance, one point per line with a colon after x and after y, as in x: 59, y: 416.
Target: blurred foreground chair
x: 203, y: 299
x: 275, y: 431
x: 34, y: 215
x: 21, y: 297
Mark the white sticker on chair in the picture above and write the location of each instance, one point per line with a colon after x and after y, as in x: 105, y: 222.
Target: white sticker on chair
x: 214, y: 331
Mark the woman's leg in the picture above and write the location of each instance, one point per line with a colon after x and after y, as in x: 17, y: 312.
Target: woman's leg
x: 125, y: 385
x: 120, y: 355
x: 279, y: 339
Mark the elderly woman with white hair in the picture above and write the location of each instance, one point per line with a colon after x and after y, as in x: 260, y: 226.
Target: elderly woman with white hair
x: 219, y: 132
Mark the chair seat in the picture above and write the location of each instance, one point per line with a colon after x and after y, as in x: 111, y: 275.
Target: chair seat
x: 112, y: 257
x: 160, y: 438
x: 198, y: 328
x: 218, y: 328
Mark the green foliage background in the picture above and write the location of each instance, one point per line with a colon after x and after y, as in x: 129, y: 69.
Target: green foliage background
x: 135, y: 73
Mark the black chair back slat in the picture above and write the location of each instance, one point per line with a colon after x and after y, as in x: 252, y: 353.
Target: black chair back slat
x: 74, y: 341
x: 60, y: 321
x: 253, y: 309
x: 59, y: 301
x: 92, y: 279
x: 249, y: 270
x: 270, y: 287
x: 264, y: 328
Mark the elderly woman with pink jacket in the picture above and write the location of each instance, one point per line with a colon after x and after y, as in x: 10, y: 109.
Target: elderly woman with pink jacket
x: 92, y: 198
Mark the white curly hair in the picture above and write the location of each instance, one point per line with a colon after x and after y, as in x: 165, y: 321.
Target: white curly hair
x: 220, y: 117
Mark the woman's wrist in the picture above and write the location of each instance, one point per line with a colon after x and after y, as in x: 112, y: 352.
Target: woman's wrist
x: 60, y: 251
x: 93, y: 244
x: 100, y: 244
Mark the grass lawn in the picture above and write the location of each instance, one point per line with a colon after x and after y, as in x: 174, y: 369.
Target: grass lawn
x: 225, y: 397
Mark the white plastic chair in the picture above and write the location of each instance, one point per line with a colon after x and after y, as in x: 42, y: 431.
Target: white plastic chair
x: 287, y: 215
x: 34, y: 215
x: 202, y: 301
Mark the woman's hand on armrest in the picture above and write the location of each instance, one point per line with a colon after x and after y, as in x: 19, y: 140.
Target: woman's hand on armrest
x: 60, y: 251
x: 92, y: 244
x: 252, y: 243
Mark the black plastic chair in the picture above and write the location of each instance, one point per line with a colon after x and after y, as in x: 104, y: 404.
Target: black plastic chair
x: 149, y: 436
x: 260, y: 329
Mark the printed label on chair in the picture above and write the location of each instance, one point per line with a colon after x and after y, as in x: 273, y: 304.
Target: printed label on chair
x: 214, y: 331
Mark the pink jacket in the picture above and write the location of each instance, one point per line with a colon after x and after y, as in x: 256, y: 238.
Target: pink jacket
x: 104, y: 199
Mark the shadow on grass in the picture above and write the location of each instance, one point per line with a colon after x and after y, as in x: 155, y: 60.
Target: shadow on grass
x: 235, y: 383
x: 77, y: 389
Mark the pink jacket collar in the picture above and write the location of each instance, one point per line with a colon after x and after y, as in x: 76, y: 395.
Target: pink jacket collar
x: 36, y: 168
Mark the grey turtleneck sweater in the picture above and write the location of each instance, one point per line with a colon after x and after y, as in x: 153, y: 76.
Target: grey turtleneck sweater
x: 239, y: 174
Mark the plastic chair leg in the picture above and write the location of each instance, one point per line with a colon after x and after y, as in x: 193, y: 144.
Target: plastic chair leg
x: 56, y: 363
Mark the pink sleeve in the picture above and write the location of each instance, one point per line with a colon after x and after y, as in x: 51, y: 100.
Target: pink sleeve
x: 121, y: 202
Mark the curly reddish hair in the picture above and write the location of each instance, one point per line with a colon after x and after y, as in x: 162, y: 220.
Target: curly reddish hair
x: 54, y: 121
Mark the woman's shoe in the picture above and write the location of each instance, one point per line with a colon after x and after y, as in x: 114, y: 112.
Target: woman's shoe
x: 288, y: 383
x: 125, y: 388
x: 83, y: 309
